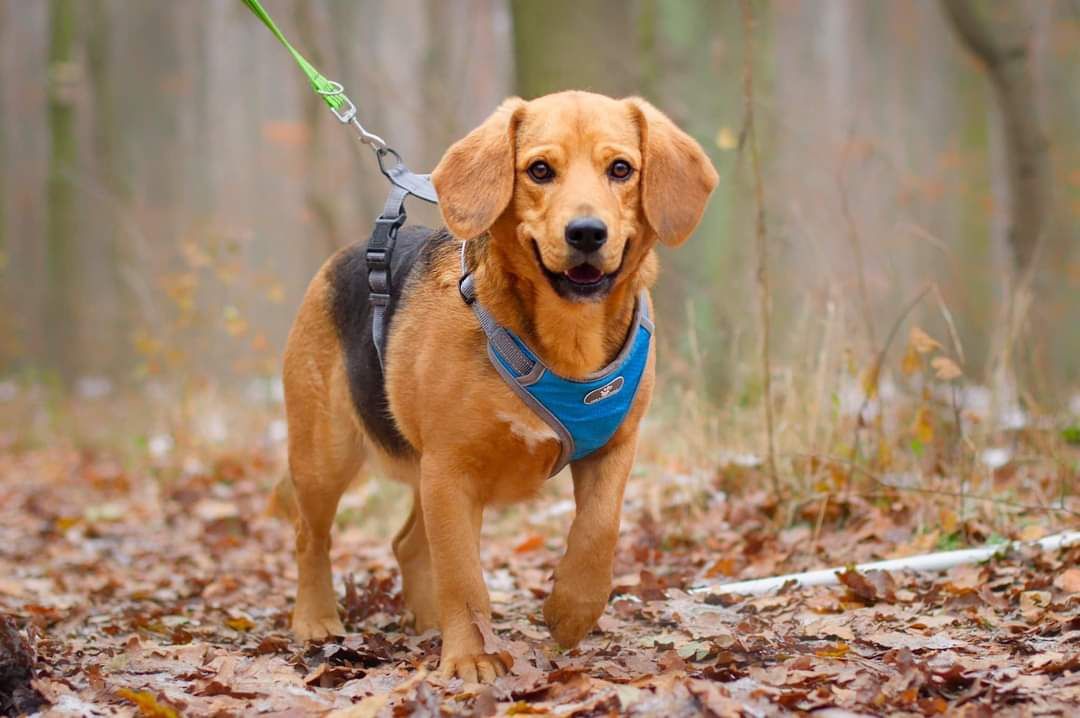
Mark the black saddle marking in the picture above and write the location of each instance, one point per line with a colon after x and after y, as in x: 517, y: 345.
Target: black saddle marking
x: 350, y: 309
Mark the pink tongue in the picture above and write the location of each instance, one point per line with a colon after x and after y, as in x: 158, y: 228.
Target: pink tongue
x: 584, y: 274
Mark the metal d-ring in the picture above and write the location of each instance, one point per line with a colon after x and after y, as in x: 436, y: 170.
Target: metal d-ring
x: 381, y: 153
x: 399, y: 175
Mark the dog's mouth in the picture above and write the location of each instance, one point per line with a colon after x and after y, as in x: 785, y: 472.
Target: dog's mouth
x: 584, y: 274
x: 582, y: 282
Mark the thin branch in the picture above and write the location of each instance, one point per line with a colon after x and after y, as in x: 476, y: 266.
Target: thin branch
x: 856, y: 249
x: 750, y: 134
x: 932, y: 492
x: 875, y: 370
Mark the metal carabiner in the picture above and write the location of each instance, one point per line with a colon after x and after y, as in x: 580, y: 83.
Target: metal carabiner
x: 346, y: 114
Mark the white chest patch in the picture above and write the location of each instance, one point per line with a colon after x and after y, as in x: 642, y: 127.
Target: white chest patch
x: 531, y: 430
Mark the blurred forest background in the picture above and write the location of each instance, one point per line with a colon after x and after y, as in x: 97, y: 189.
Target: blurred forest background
x: 896, y: 373
x: 169, y: 184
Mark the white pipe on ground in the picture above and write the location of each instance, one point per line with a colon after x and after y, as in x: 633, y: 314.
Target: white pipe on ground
x: 929, y: 562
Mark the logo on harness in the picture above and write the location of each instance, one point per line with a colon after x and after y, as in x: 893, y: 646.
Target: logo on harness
x: 605, y: 392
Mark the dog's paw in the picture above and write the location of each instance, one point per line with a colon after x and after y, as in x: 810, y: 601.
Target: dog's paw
x: 569, y: 617
x: 316, y: 628
x: 473, y: 668
x: 419, y: 623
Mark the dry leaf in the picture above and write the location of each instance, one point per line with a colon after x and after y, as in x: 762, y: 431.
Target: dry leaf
x: 837, y: 650
x: 725, y: 138
x: 1068, y: 580
x: 494, y: 645
x: 923, y: 428
x: 911, y: 362
x: 946, y: 369
x: 240, y: 623
x: 148, y: 704
x: 533, y: 543
x: 870, y: 381
x: 921, y: 341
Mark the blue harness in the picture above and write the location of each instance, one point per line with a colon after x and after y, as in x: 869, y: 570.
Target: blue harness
x: 584, y: 414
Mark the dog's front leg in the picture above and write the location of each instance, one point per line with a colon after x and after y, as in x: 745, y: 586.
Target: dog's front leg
x: 453, y: 514
x: 583, y: 576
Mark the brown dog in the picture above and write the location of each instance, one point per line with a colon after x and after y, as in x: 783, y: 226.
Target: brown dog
x: 444, y: 421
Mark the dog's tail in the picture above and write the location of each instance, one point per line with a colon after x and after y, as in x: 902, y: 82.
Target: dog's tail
x: 282, y: 503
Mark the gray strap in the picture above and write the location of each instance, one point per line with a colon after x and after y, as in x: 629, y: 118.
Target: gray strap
x: 380, y: 249
x: 499, y: 339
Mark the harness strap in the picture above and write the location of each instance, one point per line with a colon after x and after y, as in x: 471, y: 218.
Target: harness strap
x: 498, y: 337
x: 380, y: 249
x: 516, y: 368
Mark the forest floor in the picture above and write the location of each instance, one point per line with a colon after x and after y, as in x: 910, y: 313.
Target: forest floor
x: 165, y: 590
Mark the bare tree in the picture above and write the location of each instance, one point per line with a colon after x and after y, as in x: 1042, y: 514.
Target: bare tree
x: 998, y: 35
x: 60, y: 235
x: 549, y: 38
x: 3, y: 158
x: 319, y: 196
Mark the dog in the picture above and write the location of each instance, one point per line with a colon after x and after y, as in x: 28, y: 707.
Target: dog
x: 554, y: 206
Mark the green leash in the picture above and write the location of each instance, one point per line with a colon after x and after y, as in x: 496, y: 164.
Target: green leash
x: 332, y: 93
x: 404, y: 184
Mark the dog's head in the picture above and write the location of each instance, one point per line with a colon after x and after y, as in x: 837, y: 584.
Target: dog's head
x: 575, y: 188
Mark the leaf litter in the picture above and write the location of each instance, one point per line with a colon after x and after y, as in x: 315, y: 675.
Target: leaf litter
x: 128, y: 595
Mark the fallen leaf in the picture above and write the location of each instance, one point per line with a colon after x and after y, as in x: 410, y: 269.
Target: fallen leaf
x: 837, y: 650
x: 912, y: 641
x: 148, y: 704
x: 1068, y: 580
x: 533, y: 543
x: 240, y: 623
x: 493, y: 644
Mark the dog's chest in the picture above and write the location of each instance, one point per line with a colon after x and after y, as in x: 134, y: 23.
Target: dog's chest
x: 522, y: 450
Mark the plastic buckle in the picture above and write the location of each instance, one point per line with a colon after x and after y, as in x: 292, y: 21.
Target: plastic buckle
x: 377, y: 258
x: 391, y: 222
x: 379, y: 283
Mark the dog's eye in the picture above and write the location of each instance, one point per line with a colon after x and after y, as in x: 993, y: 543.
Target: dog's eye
x: 620, y: 170
x: 541, y: 171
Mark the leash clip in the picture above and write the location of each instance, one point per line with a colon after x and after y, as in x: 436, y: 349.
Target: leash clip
x: 346, y: 114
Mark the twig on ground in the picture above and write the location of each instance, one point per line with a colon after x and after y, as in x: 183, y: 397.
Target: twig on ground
x: 939, y: 561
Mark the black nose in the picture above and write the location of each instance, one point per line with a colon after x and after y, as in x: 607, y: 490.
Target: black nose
x: 586, y: 234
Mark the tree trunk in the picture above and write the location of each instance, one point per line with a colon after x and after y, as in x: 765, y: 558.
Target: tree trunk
x: 549, y: 38
x: 113, y: 173
x: 60, y: 233
x: 1002, y: 47
x: 4, y: 259
x: 320, y: 196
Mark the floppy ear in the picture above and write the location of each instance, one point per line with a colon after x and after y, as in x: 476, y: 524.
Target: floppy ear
x: 677, y: 176
x: 475, y: 178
